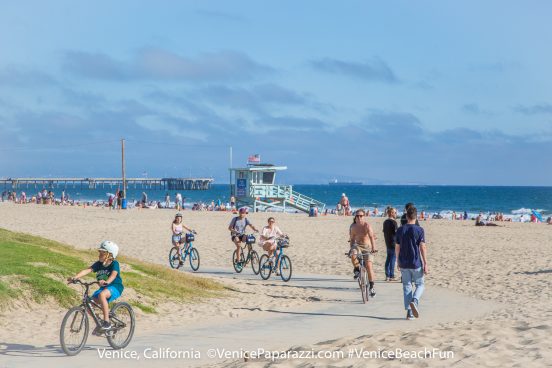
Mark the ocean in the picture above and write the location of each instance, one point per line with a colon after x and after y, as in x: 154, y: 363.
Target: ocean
x: 512, y: 201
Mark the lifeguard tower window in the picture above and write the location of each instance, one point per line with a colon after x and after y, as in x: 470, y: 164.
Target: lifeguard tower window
x: 268, y: 177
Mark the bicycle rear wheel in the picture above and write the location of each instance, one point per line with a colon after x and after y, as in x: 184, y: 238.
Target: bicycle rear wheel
x: 285, y: 268
x: 255, y: 262
x: 265, y: 267
x: 74, y: 330
x: 238, y: 260
x: 123, y: 322
x: 173, y: 257
x: 194, y: 259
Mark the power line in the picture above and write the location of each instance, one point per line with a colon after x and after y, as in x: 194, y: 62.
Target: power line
x: 56, y: 147
x: 179, y: 144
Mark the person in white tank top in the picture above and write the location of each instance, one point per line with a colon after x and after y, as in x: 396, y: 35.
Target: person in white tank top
x: 178, y: 240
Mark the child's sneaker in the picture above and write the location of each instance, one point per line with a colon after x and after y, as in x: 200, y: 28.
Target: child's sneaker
x: 409, y: 315
x: 105, y: 325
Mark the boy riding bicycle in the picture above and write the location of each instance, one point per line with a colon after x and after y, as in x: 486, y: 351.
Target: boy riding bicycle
x: 108, y: 274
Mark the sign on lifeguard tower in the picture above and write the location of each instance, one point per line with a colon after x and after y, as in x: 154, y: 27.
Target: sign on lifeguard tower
x: 241, y: 187
x: 254, y: 186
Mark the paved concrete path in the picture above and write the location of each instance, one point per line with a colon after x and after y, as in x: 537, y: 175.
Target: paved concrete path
x: 339, y: 312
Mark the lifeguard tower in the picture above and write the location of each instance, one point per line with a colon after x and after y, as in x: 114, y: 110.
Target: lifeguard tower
x: 253, y: 186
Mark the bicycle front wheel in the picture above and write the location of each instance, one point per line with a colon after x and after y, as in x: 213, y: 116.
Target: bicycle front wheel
x: 265, y: 267
x: 194, y: 259
x: 123, y: 323
x: 363, y: 283
x: 285, y: 268
x: 74, y: 331
x: 255, y: 262
x: 173, y: 257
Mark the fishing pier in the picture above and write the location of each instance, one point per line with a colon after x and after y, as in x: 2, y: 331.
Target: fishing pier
x: 93, y: 183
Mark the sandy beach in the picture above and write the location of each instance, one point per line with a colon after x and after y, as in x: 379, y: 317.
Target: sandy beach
x: 510, y: 265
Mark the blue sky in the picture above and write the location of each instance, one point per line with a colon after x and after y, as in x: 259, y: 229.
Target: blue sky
x: 383, y: 92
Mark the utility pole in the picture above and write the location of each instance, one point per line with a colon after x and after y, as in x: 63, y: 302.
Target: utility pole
x: 230, y: 171
x: 123, y: 165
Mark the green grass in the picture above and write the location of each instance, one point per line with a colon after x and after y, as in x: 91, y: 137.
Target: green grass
x: 144, y: 308
x: 40, y: 266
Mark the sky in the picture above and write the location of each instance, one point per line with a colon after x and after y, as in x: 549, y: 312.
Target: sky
x: 383, y: 92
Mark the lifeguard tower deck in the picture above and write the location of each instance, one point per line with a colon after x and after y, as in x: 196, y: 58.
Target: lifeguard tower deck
x: 254, y: 186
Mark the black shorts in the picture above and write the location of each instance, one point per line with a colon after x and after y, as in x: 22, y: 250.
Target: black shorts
x: 241, y: 237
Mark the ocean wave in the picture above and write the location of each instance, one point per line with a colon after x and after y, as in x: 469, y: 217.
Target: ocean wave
x: 525, y: 211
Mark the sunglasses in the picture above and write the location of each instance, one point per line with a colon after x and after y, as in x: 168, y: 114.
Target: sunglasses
x: 359, y: 216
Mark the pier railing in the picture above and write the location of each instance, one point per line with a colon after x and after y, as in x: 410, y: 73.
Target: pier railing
x: 93, y: 183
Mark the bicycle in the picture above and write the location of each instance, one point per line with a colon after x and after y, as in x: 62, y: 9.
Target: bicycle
x: 362, y: 279
x: 252, y: 256
x: 179, y: 254
x: 76, y: 320
x: 274, y: 263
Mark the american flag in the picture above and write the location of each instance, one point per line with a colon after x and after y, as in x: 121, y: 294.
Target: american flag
x: 254, y: 159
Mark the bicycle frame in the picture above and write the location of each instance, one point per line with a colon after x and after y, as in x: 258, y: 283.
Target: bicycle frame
x: 89, y: 304
x: 277, y: 258
x: 185, y: 250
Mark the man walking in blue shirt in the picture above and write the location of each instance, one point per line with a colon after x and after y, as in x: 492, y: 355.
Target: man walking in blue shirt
x: 411, y: 252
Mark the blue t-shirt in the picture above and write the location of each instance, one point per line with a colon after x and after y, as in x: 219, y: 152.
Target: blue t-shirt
x: 102, y: 273
x: 409, y: 237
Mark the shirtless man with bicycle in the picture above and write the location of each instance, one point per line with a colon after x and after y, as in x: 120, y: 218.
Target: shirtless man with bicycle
x: 362, y: 239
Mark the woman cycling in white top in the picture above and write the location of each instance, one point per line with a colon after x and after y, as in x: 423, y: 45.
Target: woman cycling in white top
x: 269, y: 234
x: 177, y: 227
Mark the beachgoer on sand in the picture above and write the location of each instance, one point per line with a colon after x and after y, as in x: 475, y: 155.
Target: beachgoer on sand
x: 479, y: 221
x: 389, y: 230
x: 178, y: 201
x: 345, y: 205
x: 361, y: 239
x: 177, y: 239
x: 238, y: 226
x: 411, y: 254
x: 268, y: 237
x: 108, y: 273
x: 120, y: 195
x: 403, y: 217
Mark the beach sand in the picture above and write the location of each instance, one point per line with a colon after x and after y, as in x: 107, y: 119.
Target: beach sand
x: 511, y: 265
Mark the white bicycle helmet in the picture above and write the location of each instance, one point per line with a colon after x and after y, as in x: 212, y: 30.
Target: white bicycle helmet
x: 110, y: 247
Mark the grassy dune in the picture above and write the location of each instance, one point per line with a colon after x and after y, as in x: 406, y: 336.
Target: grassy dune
x: 36, y: 268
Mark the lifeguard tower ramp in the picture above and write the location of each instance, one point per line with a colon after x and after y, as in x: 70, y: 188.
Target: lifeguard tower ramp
x: 253, y: 186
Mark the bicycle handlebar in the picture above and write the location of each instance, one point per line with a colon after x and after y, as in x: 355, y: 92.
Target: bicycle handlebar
x: 78, y: 281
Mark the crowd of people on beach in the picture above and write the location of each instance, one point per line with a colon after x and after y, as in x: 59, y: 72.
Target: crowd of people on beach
x: 115, y: 201
x: 342, y: 208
